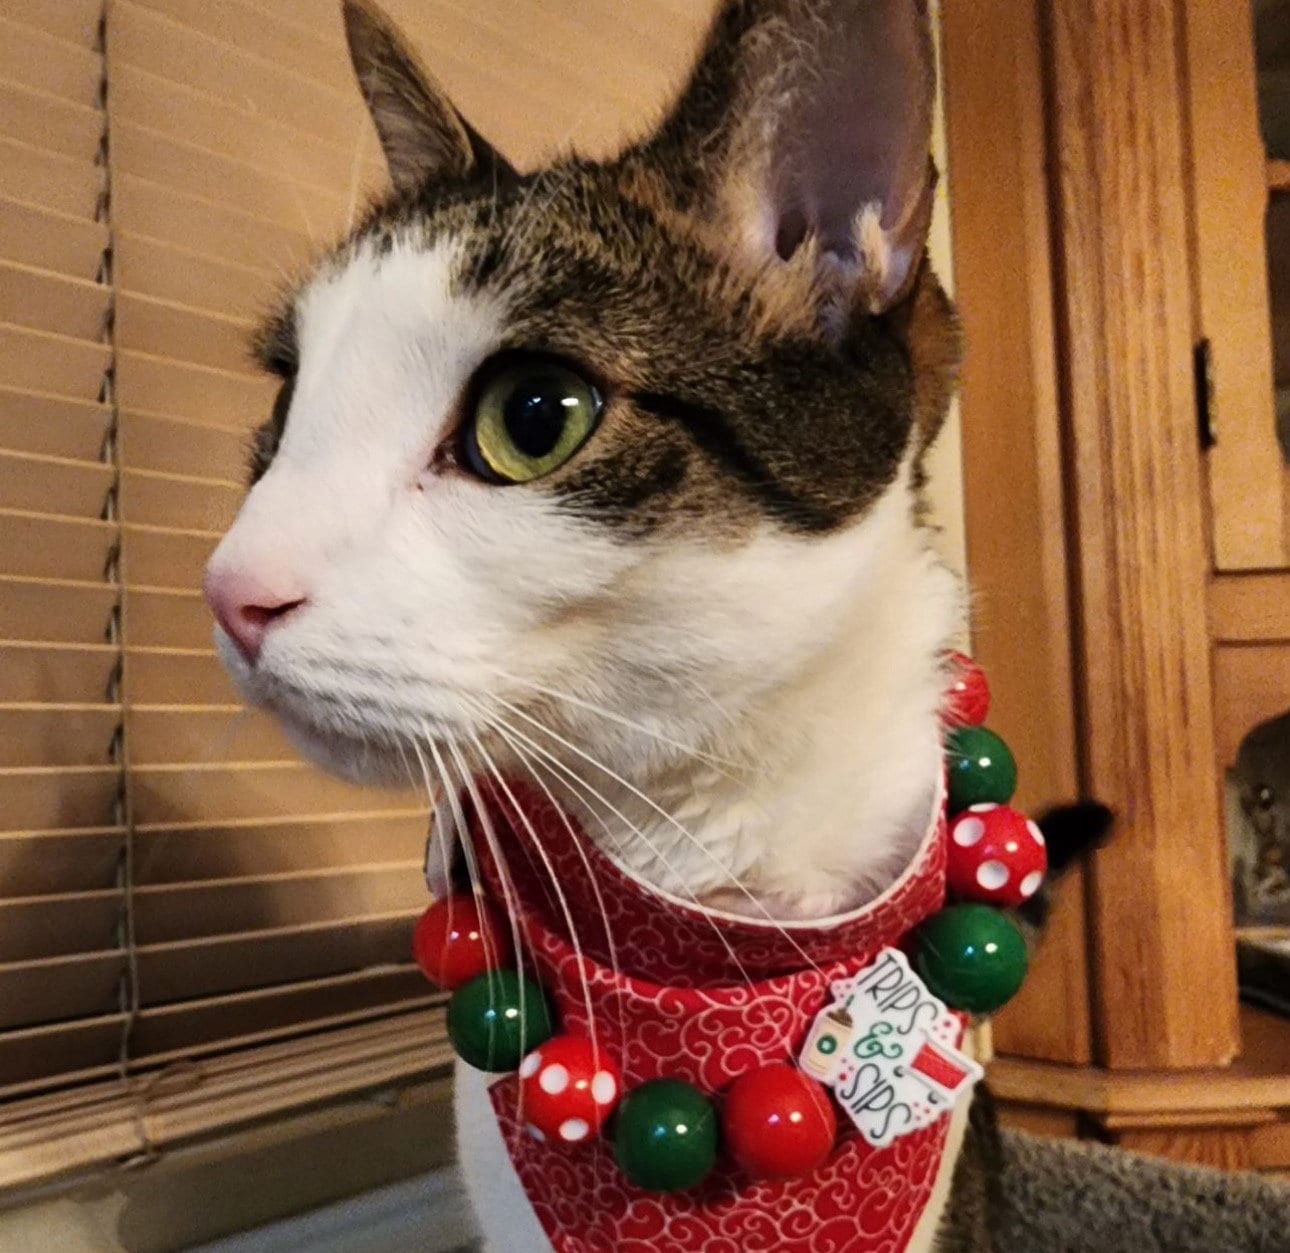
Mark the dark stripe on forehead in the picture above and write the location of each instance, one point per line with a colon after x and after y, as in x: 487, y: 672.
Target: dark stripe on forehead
x: 717, y: 439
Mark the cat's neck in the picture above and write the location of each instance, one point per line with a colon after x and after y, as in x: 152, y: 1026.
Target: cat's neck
x: 845, y: 759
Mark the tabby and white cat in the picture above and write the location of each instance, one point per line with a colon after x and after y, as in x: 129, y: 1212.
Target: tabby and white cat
x: 612, y: 471
x: 629, y: 452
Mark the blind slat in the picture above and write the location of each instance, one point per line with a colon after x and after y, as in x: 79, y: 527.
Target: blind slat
x: 31, y: 58
x: 74, y: 21
x: 201, y: 393
x: 251, y: 30
x: 315, y: 213
x: 59, y: 926
x: 38, y: 609
x: 55, y: 675
x: 74, y: 488
x: 176, y: 110
x: 171, y: 855
x: 103, y: 1122
x: 182, y: 734
x: 167, y: 619
x: 67, y: 184
x: 38, y: 361
x: 169, y: 49
x: 46, y: 239
x: 193, y: 1027
x: 156, y: 557
x: 165, y: 913
x: 165, y: 796
x: 178, y: 500
x: 205, y: 227
x: 56, y: 735
x: 49, y: 863
x: 156, y: 675
x: 36, y: 545
x: 50, y: 799
x: 50, y: 122
x: 169, y: 445
x: 164, y: 329
x: 52, y: 426
x: 174, y: 972
x: 74, y: 1051
x: 45, y: 863
x: 33, y: 993
x: 45, y: 301
x: 149, y: 267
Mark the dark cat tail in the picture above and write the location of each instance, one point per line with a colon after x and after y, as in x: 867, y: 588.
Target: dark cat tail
x: 1070, y: 831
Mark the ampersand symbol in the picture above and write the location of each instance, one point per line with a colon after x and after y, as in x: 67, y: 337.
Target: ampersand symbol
x: 871, y: 1045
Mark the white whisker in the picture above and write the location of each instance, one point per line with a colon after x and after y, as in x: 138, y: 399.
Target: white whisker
x: 667, y: 817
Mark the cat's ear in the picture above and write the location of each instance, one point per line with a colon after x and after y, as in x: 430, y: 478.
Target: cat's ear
x: 810, y: 122
x: 425, y: 139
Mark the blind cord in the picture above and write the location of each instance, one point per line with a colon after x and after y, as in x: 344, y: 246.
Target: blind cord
x: 128, y: 988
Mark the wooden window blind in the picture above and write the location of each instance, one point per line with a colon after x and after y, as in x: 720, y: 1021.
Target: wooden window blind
x: 195, y: 927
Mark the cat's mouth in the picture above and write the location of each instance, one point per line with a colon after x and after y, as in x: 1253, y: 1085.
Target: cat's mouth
x: 369, y: 734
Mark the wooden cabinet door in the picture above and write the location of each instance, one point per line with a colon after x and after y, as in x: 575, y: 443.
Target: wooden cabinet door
x: 1249, y: 471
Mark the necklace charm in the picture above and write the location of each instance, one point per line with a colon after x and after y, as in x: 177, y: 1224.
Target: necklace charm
x: 889, y: 1050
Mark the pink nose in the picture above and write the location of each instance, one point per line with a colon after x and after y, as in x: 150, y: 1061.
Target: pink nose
x: 247, y: 607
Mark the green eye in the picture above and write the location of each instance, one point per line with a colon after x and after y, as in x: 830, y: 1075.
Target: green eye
x: 531, y: 415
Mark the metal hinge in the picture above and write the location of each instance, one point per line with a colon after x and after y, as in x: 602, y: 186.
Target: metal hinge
x: 1203, y: 364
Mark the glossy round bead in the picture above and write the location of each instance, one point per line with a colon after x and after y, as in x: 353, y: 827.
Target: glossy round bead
x: 996, y: 856
x: 665, y: 1136
x: 458, y: 938
x: 497, y: 1018
x: 981, y: 770
x: 568, y: 1088
x: 967, y: 700
x: 972, y: 956
x: 778, y: 1123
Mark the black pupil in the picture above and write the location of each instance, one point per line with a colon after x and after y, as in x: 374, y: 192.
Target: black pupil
x: 536, y: 413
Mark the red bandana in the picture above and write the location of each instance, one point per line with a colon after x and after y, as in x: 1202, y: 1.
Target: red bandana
x: 705, y: 997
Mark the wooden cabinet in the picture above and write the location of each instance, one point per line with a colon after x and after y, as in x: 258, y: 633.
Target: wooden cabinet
x: 1111, y: 192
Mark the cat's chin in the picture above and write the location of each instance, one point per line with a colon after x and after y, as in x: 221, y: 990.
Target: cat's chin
x: 367, y: 763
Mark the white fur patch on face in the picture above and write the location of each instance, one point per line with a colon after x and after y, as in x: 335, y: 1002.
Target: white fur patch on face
x: 716, y: 698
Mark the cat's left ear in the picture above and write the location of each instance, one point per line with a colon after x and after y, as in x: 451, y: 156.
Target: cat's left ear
x: 810, y: 122
x: 424, y: 137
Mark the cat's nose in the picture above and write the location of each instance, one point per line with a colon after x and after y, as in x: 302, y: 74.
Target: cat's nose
x: 247, y: 606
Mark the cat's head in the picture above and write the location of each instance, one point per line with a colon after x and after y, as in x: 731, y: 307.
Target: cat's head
x: 608, y: 443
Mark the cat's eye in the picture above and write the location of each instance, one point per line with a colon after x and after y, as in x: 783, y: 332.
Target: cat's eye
x: 531, y: 414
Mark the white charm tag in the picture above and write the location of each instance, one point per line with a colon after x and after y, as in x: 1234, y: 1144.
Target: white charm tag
x: 886, y: 1046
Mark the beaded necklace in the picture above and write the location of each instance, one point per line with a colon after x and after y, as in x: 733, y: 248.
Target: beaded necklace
x: 684, y: 1079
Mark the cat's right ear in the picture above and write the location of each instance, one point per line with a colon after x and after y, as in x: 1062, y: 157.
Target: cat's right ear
x: 424, y: 138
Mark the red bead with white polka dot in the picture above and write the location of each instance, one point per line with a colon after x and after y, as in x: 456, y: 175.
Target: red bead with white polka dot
x: 996, y: 856
x: 568, y: 1089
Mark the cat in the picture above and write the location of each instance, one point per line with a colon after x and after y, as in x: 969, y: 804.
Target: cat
x: 611, y: 473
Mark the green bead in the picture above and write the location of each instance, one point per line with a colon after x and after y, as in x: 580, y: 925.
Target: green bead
x: 486, y: 1025
x: 981, y: 769
x: 973, y: 957
x: 665, y: 1136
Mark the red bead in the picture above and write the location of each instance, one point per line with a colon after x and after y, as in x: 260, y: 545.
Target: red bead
x: 568, y: 1088
x: 778, y: 1123
x: 967, y: 700
x: 458, y: 939
x: 996, y: 856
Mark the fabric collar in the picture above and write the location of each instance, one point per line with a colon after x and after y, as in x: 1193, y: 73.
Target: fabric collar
x: 674, y: 991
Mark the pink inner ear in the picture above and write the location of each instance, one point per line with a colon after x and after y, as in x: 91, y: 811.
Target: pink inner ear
x: 859, y: 134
